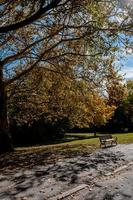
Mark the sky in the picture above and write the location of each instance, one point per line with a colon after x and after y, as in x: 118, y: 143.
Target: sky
x: 127, y: 67
x: 127, y: 62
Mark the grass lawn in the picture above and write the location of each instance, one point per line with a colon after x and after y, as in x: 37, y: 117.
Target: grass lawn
x: 75, y: 143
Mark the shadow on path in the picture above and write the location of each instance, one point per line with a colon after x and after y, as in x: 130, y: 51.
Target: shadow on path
x: 41, y: 181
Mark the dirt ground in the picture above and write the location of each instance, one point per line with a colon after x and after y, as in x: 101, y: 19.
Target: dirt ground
x: 44, y: 182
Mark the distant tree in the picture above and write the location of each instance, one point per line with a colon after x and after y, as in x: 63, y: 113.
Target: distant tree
x: 130, y: 91
x: 123, y: 116
x: 128, y: 105
x: 115, y: 87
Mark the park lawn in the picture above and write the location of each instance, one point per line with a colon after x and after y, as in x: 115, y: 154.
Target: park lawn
x: 76, y: 143
x: 124, y: 138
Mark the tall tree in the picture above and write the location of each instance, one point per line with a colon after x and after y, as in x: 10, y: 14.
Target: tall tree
x: 54, y: 97
x: 55, y: 32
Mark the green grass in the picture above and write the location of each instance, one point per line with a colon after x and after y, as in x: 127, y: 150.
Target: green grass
x: 76, y: 143
x: 124, y: 138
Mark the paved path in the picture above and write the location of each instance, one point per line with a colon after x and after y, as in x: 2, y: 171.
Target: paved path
x: 45, y: 182
x: 118, y: 187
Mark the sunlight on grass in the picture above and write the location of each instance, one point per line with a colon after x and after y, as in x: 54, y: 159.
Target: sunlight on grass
x: 125, y: 138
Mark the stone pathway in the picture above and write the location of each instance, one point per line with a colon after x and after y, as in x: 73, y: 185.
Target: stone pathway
x: 46, y: 182
x: 118, y: 187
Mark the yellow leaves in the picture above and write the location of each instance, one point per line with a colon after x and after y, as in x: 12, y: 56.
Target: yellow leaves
x: 56, y: 97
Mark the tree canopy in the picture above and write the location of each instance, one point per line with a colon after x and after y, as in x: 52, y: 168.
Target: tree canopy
x: 56, y: 32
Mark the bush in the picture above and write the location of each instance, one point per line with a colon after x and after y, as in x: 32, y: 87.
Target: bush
x: 39, y: 132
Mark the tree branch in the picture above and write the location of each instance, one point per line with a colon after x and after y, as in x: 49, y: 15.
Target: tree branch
x: 23, y: 51
x: 34, y: 17
x: 31, y: 67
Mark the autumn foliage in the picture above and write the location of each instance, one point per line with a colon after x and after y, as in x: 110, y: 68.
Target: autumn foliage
x: 55, y: 61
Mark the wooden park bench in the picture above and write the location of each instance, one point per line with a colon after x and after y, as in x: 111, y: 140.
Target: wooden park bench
x: 107, y: 140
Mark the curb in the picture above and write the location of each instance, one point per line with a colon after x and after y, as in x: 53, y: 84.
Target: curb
x: 69, y: 192
x: 119, y: 169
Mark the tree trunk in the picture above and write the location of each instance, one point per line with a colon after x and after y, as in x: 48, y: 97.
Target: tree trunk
x: 5, y: 138
x: 95, y: 134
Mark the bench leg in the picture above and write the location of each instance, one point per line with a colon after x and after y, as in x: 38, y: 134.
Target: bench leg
x: 102, y: 145
x: 114, y: 142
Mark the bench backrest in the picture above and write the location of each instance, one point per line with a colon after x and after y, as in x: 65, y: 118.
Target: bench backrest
x: 105, y: 137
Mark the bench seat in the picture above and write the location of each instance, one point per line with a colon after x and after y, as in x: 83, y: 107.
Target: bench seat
x: 107, y: 139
